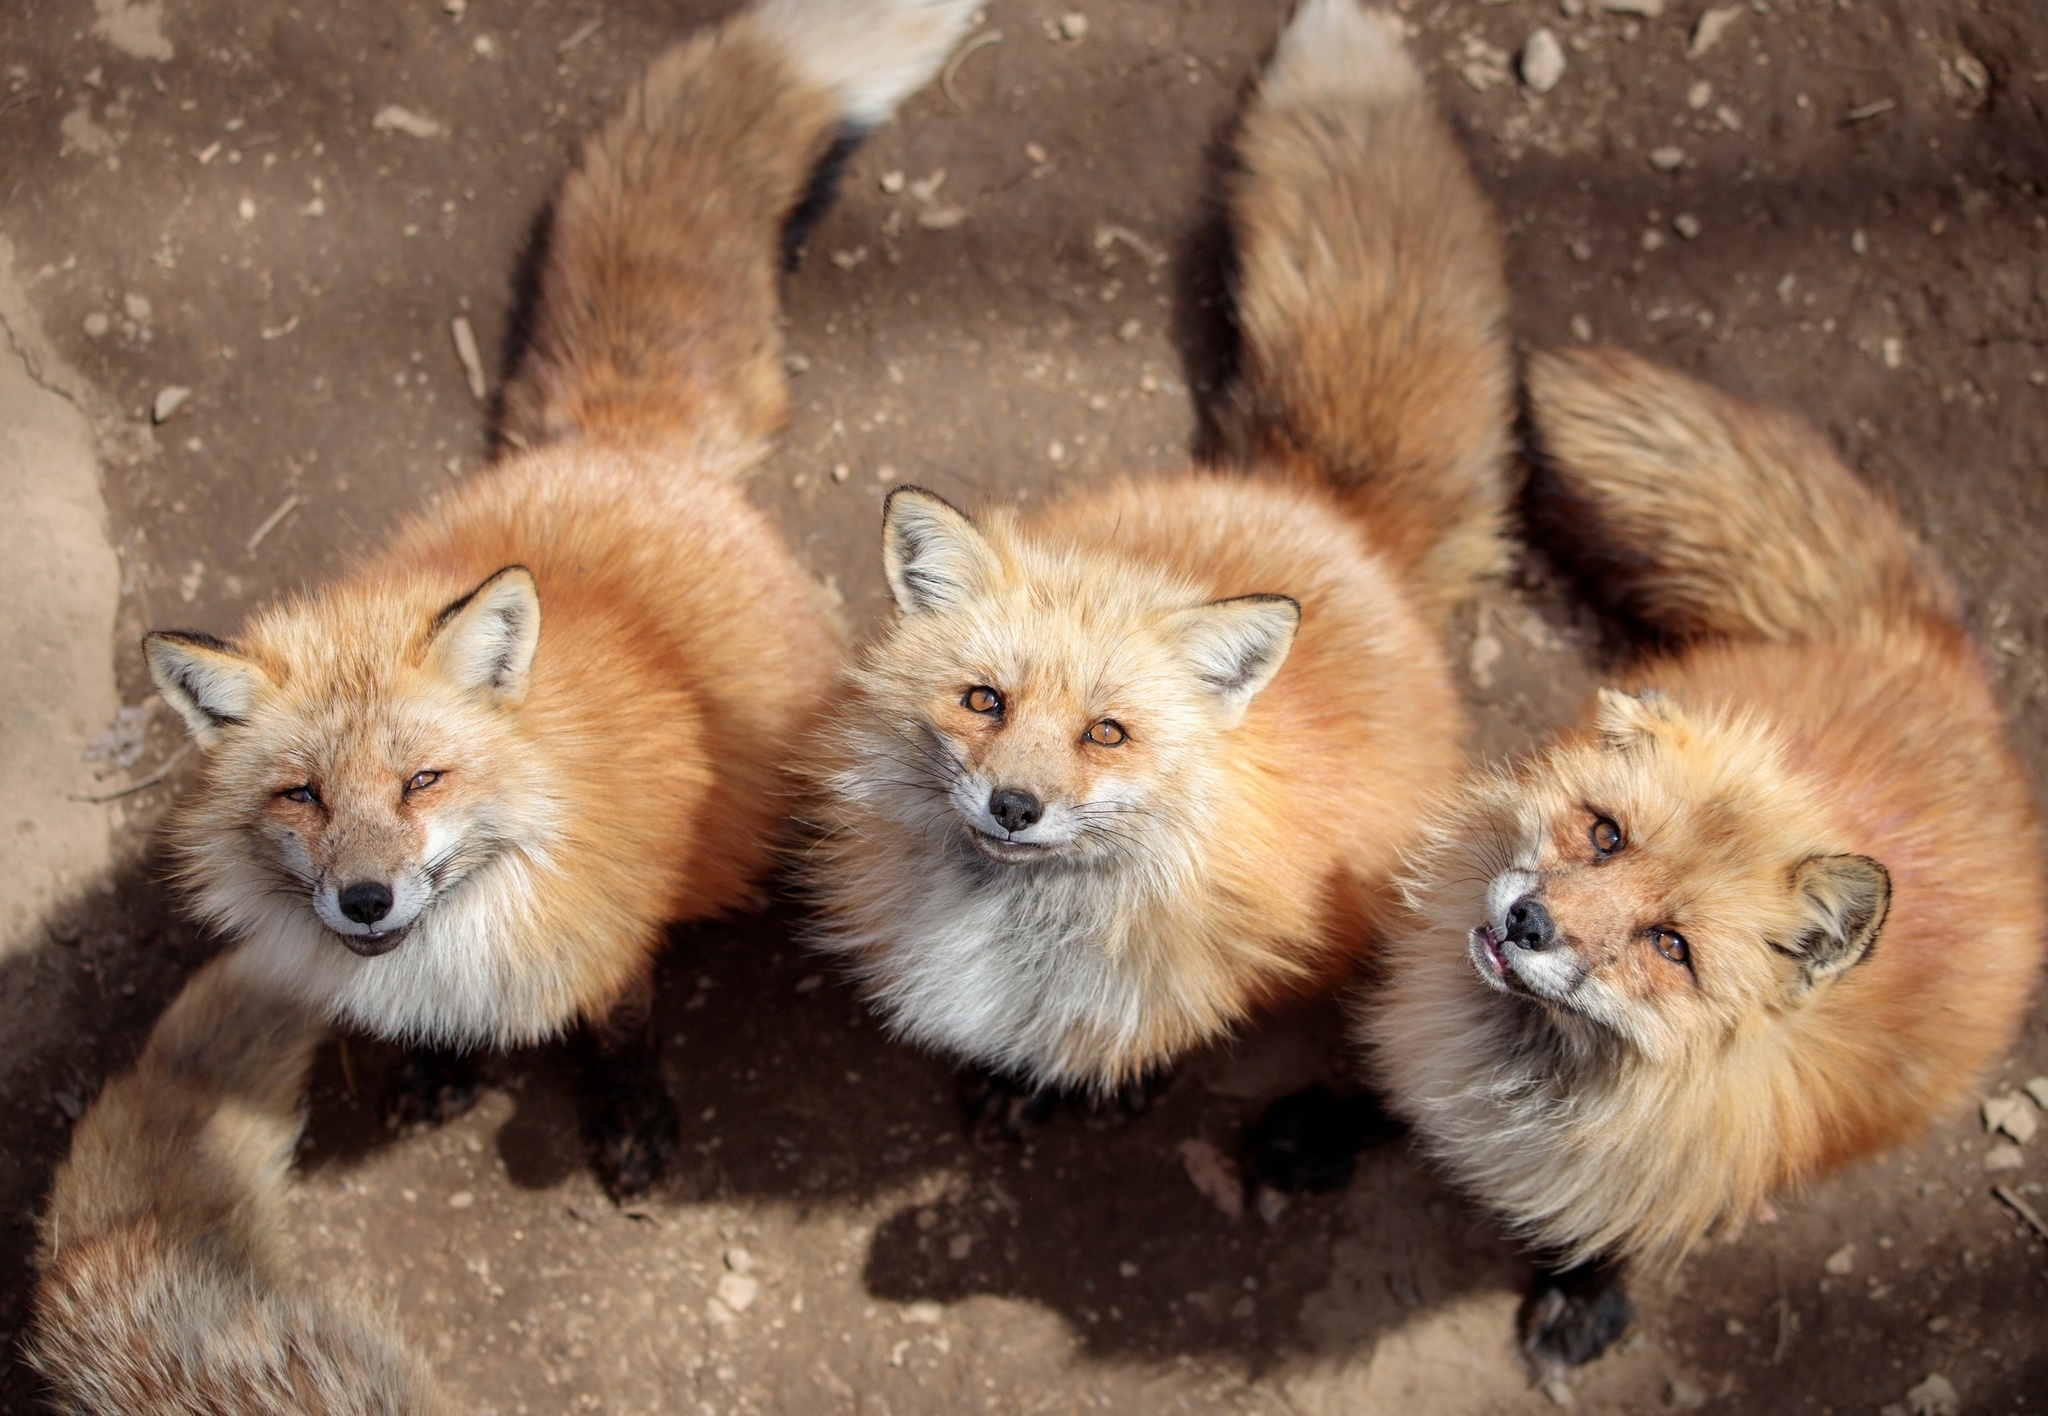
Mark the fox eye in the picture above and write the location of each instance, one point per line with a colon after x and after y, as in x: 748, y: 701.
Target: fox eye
x: 982, y: 699
x: 1107, y: 733
x: 1607, y: 838
x: 302, y: 793
x: 1671, y: 944
x: 421, y: 780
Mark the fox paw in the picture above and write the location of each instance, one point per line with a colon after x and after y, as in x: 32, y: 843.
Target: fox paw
x: 636, y: 1135
x: 1001, y: 1110
x: 432, y: 1090
x: 1310, y: 1141
x: 1573, y: 1316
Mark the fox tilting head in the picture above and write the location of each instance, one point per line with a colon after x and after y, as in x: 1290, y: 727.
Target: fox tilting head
x: 1024, y: 780
x: 361, y: 764
x: 1618, y: 947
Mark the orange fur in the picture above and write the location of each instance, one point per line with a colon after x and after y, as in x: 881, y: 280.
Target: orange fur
x: 1813, y: 792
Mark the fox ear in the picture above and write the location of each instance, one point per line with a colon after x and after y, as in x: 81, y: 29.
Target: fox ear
x: 212, y: 687
x: 486, y: 640
x: 1623, y: 718
x: 1236, y: 646
x: 933, y: 556
x: 1845, y: 899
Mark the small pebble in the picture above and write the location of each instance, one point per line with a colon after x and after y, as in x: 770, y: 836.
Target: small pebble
x: 168, y: 401
x: 391, y: 118
x: 1708, y: 29
x: 1699, y: 95
x: 1842, y: 1261
x: 1542, y: 61
x: 810, y: 983
x: 1073, y: 25
x: 739, y: 1260
x: 1893, y: 349
x: 1034, y: 152
x: 840, y: 471
x: 941, y: 218
x: 1686, y: 225
x: 461, y: 1200
x: 1858, y: 242
x: 1215, y: 1176
x: 1667, y: 159
x: 1571, y: 9
x: 2010, y: 1113
x: 2003, y: 1156
x: 96, y: 324
x: 1653, y: 240
x: 737, y: 1291
x: 885, y: 474
x: 1649, y: 9
x: 1581, y: 249
x: 1056, y: 450
x: 1129, y: 330
x: 137, y: 306
x: 1582, y: 329
x: 246, y: 209
x: 2037, y: 1088
x: 893, y: 181
x: 1682, y: 1395
x: 1934, y: 1397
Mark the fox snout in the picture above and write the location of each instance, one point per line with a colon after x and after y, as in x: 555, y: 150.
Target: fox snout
x: 1529, y: 925
x: 1014, y: 809
x: 371, y: 916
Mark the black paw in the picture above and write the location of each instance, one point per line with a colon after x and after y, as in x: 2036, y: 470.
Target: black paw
x: 433, y: 1089
x: 1000, y: 1110
x: 1572, y: 1316
x: 635, y: 1134
x: 1310, y: 1141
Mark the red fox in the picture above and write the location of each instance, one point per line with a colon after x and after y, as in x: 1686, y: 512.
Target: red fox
x: 435, y: 812
x: 166, y: 1278
x: 1128, y: 771
x: 1768, y: 910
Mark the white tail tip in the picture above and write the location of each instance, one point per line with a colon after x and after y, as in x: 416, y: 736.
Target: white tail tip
x: 872, y: 54
x: 1337, y: 49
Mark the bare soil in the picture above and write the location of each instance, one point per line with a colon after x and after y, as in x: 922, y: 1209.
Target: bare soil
x: 1855, y: 227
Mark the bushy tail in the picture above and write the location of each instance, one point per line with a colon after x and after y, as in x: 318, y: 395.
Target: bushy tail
x: 1698, y: 514
x: 165, y: 1283
x: 1372, y: 297
x: 656, y: 299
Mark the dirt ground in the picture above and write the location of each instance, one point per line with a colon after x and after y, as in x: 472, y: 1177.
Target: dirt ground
x: 1849, y: 219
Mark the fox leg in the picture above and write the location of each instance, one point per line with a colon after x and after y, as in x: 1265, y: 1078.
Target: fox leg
x: 434, y: 1087
x: 1372, y: 299
x: 1310, y: 1141
x: 1572, y: 1315
x: 656, y: 302
x: 630, y: 1117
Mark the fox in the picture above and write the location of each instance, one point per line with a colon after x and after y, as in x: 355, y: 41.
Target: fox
x: 1129, y: 771
x: 166, y: 1278
x: 1769, y: 908
x: 435, y: 814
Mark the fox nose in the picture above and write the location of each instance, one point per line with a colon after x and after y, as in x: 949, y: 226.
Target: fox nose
x: 366, y: 901
x: 1530, y: 926
x: 1014, y: 809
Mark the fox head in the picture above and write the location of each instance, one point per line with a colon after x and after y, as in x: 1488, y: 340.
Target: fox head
x: 355, y: 754
x: 1664, y: 881
x: 1041, y: 706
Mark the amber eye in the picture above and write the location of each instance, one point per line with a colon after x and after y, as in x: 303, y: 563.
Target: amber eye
x: 303, y: 793
x: 982, y: 699
x: 1671, y: 944
x: 1606, y: 836
x: 1107, y: 733
x: 421, y: 780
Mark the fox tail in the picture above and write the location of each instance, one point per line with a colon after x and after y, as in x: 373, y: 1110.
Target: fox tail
x: 164, y: 1274
x: 1701, y: 515
x: 1372, y: 298
x: 655, y: 302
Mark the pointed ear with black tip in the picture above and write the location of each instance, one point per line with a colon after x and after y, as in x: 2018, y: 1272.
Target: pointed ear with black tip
x: 1845, y: 899
x: 212, y: 687
x: 1234, y: 647
x: 934, y: 558
x: 486, y: 640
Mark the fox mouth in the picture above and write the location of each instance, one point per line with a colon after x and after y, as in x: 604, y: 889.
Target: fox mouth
x: 1484, y: 945
x: 370, y: 946
x: 1005, y: 852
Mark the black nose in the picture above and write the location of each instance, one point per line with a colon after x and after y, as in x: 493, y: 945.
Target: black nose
x: 1014, y: 809
x: 1530, y: 925
x: 366, y: 902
